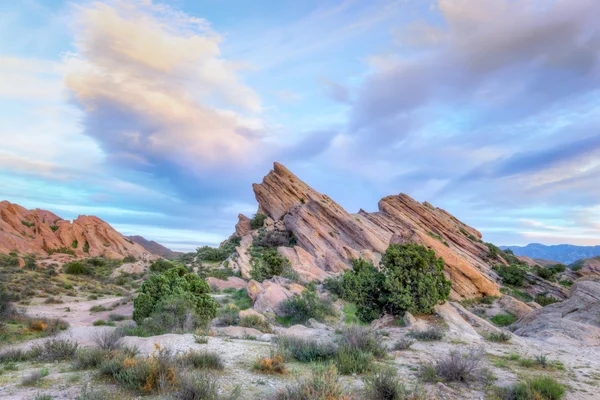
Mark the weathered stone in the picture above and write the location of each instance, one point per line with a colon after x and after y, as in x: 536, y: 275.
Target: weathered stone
x: 254, y: 289
x: 242, y: 228
x: 232, y: 282
x: 239, y: 332
x: 409, y: 319
x: 514, y: 306
x: 251, y: 313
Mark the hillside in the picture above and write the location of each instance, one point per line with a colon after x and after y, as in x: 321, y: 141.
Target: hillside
x: 42, y: 232
x: 586, y: 266
x: 154, y: 247
x: 563, y: 253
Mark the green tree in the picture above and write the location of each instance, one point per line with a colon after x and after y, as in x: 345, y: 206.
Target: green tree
x: 268, y: 265
x: 414, y: 279
x: 175, y: 282
x: 364, y: 286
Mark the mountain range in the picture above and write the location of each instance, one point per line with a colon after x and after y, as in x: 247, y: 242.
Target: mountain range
x: 563, y: 253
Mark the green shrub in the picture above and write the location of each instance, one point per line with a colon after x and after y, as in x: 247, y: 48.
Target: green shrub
x: 268, y: 265
x: 54, y: 228
x: 202, y: 360
x: 9, y: 260
x: 493, y: 251
x: 351, y: 360
x: 455, y: 367
x: 159, y: 290
x: 257, y: 221
x: 323, y: 384
x: 403, y: 344
x: 384, y: 384
x: 86, y: 247
x: 300, y: 308
x: 511, y: 275
x: 160, y: 266
x: 503, y: 319
x: 90, y: 358
x: 499, y: 337
x: 256, y: 322
x: 544, y: 300
x: 362, y: 338
x: 61, y: 250
x: 533, y: 388
x: 429, y: 334
x: 76, y: 268
x: 74, y: 244
x: 35, y: 377
x: 305, y: 350
x: 129, y: 259
x: 207, y: 253
x: 28, y: 224
x: 55, y: 349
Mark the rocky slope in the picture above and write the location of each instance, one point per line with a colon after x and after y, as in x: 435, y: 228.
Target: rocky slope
x: 40, y: 232
x: 563, y: 253
x: 586, y: 266
x: 154, y: 247
x: 328, y: 237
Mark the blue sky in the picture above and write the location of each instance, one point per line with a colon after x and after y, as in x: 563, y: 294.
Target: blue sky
x: 157, y: 116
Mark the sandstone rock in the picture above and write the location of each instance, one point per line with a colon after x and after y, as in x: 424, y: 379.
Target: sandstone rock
x: 529, y: 261
x: 587, y: 267
x: 251, y: 313
x: 328, y: 237
x: 475, y: 321
x: 457, y: 325
x: 575, y: 320
x: 270, y: 299
x: 38, y: 231
x: 382, y: 322
x: 232, y: 282
x: 514, y: 306
x: 254, y: 289
x: 316, y: 324
x: 241, y: 259
x: 409, y: 319
x: 301, y: 331
x: 242, y: 228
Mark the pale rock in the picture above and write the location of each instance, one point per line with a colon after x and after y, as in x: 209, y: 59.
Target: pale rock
x: 251, y: 313
x: 232, y: 282
x: 514, y: 306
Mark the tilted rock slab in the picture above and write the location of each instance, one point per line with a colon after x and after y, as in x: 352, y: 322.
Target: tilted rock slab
x: 328, y: 237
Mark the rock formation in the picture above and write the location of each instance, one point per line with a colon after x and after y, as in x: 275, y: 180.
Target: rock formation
x: 328, y: 237
x: 586, y: 266
x: 155, y: 248
x: 576, y: 319
x: 40, y: 232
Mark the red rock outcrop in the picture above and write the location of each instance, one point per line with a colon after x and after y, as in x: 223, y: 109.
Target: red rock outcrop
x: 328, y: 237
x: 39, y: 231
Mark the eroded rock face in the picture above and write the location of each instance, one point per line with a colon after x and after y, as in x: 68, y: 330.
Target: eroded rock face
x: 328, y: 237
x: 38, y: 231
x: 576, y: 319
x: 232, y: 282
x: 587, y: 267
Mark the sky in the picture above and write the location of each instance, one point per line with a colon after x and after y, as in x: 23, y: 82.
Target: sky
x: 157, y: 116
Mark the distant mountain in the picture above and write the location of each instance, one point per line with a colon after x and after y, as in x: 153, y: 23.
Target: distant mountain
x: 154, y: 247
x: 44, y: 233
x: 564, y: 253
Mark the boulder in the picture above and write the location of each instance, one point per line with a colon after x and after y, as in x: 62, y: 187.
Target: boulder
x: 301, y: 331
x: 575, y: 320
x: 514, y: 306
x: 382, y: 322
x: 409, y: 319
x: 238, y: 332
x: 254, y: 289
x: 269, y: 301
x: 232, y: 282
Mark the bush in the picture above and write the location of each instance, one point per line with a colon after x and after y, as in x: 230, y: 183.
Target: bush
x: 129, y: 259
x: 55, y: 349
x: 305, y: 350
x: 324, y: 384
x: 90, y: 358
x: 207, y: 253
x: 544, y: 273
x: 76, y: 268
x: 384, y: 384
x: 201, y: 386
x: 403, y: 344
x: 511, y: 275
x: 456, y: 367
x: 257, y: 221
x: 274, y: 239
x: 503, y: 319
x: 544, y: 300
x: 175, y: 291
x: 411, y: 279
x: 350, y: 360
x: 539, y: 388
x: 275, y: 364
x: 6, y: 309
x: 493, y: 251
x: 268, y: 265
x: 300, y: 308
x: 88, y: 393
x: 160, y: 266
x: 256, y: 322
x: 9, y: 260
x: 500, y: 337
x: 202, y: 360
x: 108, y: 339
x: 431, y: 333
x: 35, y: 377
x: 362, y: 338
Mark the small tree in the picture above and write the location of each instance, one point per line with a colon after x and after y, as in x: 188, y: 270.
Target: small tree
x: 414, y: 278
x: 174, y: 282
x: 270, y: 264
x: 364, y: 285
x: 257, y: 221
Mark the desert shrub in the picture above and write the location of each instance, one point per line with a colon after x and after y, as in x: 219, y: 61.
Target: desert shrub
x: 544, y: 300
x: 207, y: 253
x: 90, y: 358
x: 503, y: 319
x: 411, y: 279
x: 76, y: 268
x: 129, y: 259
x: 117, y: 317
x: 350, y: 360
x: 456, y: 367
x: 160, y: 266
x: 539, y: 388
x: 500, y: 337
x: 14, y: 355
x: 202, y: 360
x: 89, y: 393
x: 35, y: 377
x: 109, y: 339
x: 98, y: 308
x: 257, y: 221
x: 274, y: 239
x: 431, y: 333
x: 6, y: 309
x: 511, y: 275
x: 323, y: 384
x: 384, y: 384
x: 101, y: 322
x: 544, y: 273
x: 200, y: 339
x: 336, y: 285
x: 493, y: 250
x: 300, y: 308
x: 362, y: 338
x: 228, y: 315
x: 402, y: 344
x: 55, y: 349
x: 558, y: 268
x: 274, y: 364
x: 256, y: 322
x: 9, y: 260
x: 28, y: 224
x: 30, y: 263
x: 305, y: 350
x: 175, y: 291
x: 268, y: 265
